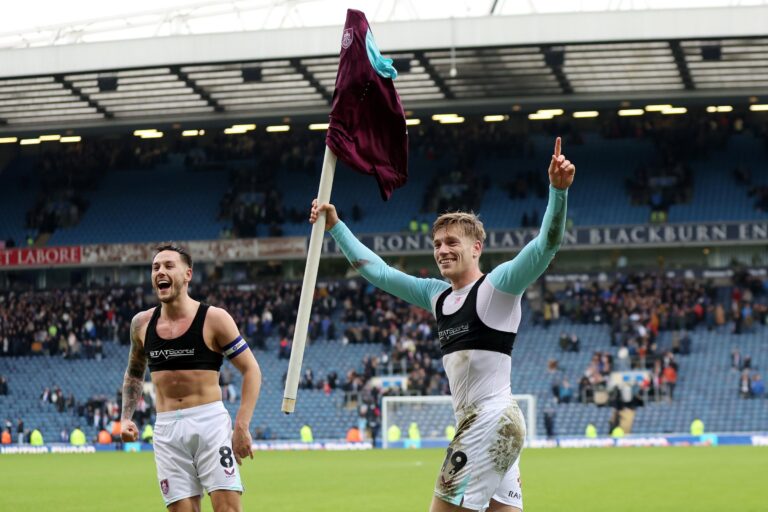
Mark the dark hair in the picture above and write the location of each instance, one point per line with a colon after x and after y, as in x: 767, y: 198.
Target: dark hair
x: 170, y: 246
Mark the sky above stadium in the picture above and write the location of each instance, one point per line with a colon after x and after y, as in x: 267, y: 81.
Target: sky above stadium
x: 53, y: 22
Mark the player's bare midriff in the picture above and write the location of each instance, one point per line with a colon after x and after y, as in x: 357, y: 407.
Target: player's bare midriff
x: 182, y: 389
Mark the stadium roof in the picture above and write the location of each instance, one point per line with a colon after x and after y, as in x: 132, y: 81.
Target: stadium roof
x: 51, y: 22
x: 594, y: 59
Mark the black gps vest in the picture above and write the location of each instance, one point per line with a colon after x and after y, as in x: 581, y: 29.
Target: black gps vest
x: 186, y: 352
x: 463, y: 330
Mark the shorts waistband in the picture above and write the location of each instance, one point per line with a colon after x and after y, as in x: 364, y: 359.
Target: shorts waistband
x: 197, y: 412
x: 489, y: 404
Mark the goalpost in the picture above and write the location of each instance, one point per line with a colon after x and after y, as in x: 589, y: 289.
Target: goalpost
x: 433, y: 414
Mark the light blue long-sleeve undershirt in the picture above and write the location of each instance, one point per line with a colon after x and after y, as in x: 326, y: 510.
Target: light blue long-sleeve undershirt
x: 513, y: 276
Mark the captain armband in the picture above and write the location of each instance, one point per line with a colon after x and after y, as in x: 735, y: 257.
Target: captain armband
x: 234, y: 348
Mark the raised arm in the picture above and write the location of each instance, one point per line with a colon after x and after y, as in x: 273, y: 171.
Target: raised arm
x: 416, y: 291
x: 133, y: 381
x: 516, y: 275
x: 234, y: 347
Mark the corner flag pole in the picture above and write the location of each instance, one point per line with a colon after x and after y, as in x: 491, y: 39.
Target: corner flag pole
x: 308, y: 286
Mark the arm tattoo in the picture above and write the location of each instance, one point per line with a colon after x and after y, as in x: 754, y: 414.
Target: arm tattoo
x: 555, y: 233
x: 133, y: 382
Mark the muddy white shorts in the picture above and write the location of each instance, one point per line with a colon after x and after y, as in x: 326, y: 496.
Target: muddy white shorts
x: 193, y: 452
x: 482, y: 461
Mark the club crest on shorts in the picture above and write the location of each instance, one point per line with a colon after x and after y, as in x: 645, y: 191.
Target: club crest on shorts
x: 346, y: 39
x: 229, y: 472
x: 164, y: 485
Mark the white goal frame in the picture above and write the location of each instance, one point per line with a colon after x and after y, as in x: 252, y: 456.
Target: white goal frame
x: 529, y: 411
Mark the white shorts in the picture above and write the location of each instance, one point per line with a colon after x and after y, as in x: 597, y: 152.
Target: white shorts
x: 482, y: 461
x: 193, y: 452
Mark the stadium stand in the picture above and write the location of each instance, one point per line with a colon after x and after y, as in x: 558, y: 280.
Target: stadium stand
x: 707, y: 384
x: 145, y: 189
x: 159, y: 194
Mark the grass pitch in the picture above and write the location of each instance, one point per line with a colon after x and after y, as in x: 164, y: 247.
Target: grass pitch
x: 571, y: 480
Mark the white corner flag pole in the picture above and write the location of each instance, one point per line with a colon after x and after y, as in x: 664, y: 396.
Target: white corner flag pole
x: 308, y: 286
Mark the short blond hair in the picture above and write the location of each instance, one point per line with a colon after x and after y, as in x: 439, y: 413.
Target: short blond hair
x: 468, y: 223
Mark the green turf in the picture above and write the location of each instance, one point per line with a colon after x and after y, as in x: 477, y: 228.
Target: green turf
x: 570, y: 480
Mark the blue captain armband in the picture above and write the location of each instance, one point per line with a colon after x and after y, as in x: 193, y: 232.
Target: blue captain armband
x: 234, y: 348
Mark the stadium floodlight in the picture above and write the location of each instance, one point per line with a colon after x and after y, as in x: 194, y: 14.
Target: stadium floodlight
x: 631, y: 112
x: 586, y: 113
x: 141, y: 133
x: 70, y: 138
x: 433, y: 414
x: 438, y: 117
x: 277, y: 128
x: 49, y: 138
x: 759, y: 108
x: 544, y: 114
x: 674, y: 110
x: 318, y: 126
x: 412, y: 122
x: 237, y: 129
x: 8, y: 140
x: 29, y: 142
x: 153, y: 135
x: 495, y: 118
x: 724, y: 108
x: 452, y: 120
x: 657, y: 108
x: 192, y: 133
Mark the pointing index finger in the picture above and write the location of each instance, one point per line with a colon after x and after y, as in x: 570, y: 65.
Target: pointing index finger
x: 557, y: 146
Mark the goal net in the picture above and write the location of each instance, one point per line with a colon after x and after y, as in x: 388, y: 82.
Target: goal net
x: 434, y: 420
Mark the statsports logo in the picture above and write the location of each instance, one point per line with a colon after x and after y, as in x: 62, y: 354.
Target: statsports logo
x: 449, y: 333
x: 171, y: 353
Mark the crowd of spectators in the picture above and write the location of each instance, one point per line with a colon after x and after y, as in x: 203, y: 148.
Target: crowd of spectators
x: 252, y: 200
x: 637, y: 306
x: 66, y: 177
x: 456, y: 183
x: 669, y: 179
x: 99, y: 412
x: 76, y: 322
x: 634, y: 308
x: 758, y: 192
x: 660, y: 186
x: 70, y: 323
x: 253, y: 205
x: 593, y: 384
x: 751, y: 383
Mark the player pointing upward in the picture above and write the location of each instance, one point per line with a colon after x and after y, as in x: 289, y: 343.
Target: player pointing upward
x: 184, y: 342
x: 478, y: 316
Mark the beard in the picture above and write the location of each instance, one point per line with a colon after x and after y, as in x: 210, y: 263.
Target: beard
x: 172, y: 294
